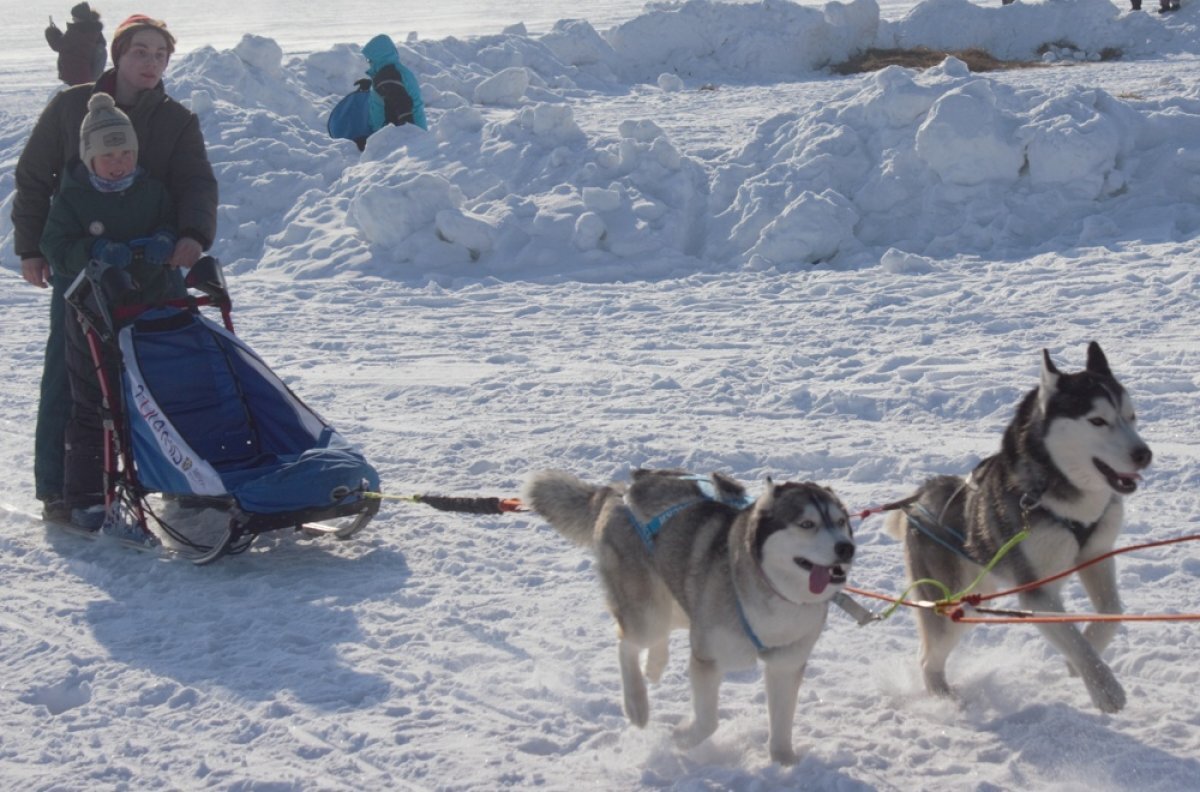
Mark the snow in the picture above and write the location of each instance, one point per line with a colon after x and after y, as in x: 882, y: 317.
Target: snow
x: 667, y: 236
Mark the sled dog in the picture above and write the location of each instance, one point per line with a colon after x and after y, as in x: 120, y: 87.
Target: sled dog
x: 748, y: 578
x: 1068, y: 457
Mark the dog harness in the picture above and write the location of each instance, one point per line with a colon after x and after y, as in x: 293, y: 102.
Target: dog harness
x: 759, y: 646
x: 650, y: 529
x: 925, y: 522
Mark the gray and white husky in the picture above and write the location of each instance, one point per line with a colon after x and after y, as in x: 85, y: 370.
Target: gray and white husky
x: 1069, y: 456
x: 748, y: 579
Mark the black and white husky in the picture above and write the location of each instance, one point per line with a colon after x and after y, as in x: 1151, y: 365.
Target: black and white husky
x: 748, y: 578
x: 1069, y: 456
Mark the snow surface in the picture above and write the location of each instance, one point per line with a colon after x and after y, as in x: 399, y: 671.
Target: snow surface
x: 672, y: 240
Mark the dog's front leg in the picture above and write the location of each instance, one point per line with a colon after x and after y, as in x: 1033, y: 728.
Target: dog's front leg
x: 783, y: 687
x: 1106, y: 692
x: 1100, y: 583
x: 705, y: 677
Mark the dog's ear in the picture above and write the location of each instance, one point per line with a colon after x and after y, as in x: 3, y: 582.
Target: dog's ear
x: 1050, y: 375
x: 767, y: 499
x: 727, y: 485
x: 1097, y: 363
x: 833, y: 496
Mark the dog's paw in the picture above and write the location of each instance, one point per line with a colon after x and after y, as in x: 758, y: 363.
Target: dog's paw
x: 637, y: 707
x: 784, y: 755
x: 692, y: 734
x: 1107, y: 694
x: 935, y: 683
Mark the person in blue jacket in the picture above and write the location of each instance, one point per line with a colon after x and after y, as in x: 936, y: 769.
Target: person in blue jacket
x: 396, y: 95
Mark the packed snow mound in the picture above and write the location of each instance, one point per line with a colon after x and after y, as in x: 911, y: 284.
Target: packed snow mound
x: 948, y: 162
x: 1023, y: 30
x: 506, y: 183
x: 771, y: 40
x: 932, y: 164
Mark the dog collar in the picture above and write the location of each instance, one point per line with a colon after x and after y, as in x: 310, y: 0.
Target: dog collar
x: 746, y: 628
x: 1081, y: 531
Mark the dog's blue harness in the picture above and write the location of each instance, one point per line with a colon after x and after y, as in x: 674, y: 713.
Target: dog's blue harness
x: 958, y: 546
x: 650, y: 529
x: 746, y: 628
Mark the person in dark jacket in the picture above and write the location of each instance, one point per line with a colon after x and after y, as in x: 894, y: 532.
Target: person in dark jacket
x: 111, y: 212
x: 396, y: 95
x: 82, y: 50
x: 171, y: 150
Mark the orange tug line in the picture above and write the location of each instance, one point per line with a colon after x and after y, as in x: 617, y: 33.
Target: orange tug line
x: 956, y: 609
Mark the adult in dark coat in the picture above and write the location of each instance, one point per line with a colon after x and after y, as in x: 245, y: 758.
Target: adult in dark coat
x: 171, y: 150
x: 106, y: 203
x: 82, y: 50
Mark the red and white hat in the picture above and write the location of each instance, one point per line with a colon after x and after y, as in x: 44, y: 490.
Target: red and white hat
x: 123, y: 35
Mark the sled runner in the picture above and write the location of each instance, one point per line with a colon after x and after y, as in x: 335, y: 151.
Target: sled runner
x: 197, y: 416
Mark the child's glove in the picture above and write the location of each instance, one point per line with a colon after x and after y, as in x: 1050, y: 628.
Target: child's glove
x: 158, y: 249
x: 114, y: 254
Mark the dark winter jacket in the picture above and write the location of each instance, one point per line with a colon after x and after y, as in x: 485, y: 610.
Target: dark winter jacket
x: 82, y: 50
x: 81, y: 214
x: 170, y: 149
x: 397, y: 96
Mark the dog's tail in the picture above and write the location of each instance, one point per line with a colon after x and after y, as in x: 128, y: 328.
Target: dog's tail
x: 569, y: 504
x: 896, y: 524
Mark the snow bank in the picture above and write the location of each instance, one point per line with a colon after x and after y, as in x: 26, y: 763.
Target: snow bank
x: 765, y: 41
x: 508, y: 184
x: 950, y: 162
x: 1084, y: 28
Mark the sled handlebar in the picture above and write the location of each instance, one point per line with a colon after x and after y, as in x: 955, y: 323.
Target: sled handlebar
x: 206, y: 277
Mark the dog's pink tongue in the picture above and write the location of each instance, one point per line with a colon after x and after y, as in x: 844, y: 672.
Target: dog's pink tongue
x: 818, y: 578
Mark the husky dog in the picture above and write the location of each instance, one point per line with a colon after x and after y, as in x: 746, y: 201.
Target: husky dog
x: 1067, y: 458
x: 748, y: 579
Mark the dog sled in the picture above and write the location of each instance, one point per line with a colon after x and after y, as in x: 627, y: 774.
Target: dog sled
x: 196, y: 416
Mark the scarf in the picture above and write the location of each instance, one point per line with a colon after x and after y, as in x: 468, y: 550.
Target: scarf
x: 114, y: 185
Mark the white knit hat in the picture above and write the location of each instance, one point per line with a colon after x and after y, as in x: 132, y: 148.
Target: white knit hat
x: 105, y: 128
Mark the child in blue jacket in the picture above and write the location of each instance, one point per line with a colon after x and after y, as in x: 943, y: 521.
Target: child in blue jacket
x: 396, y: 95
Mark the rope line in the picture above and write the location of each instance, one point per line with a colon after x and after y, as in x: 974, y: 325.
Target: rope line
x: 1003, y: 616
x: 955, y: 606
x: 977, y: 598
x: 949, y: 599
x: 456, y: 504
